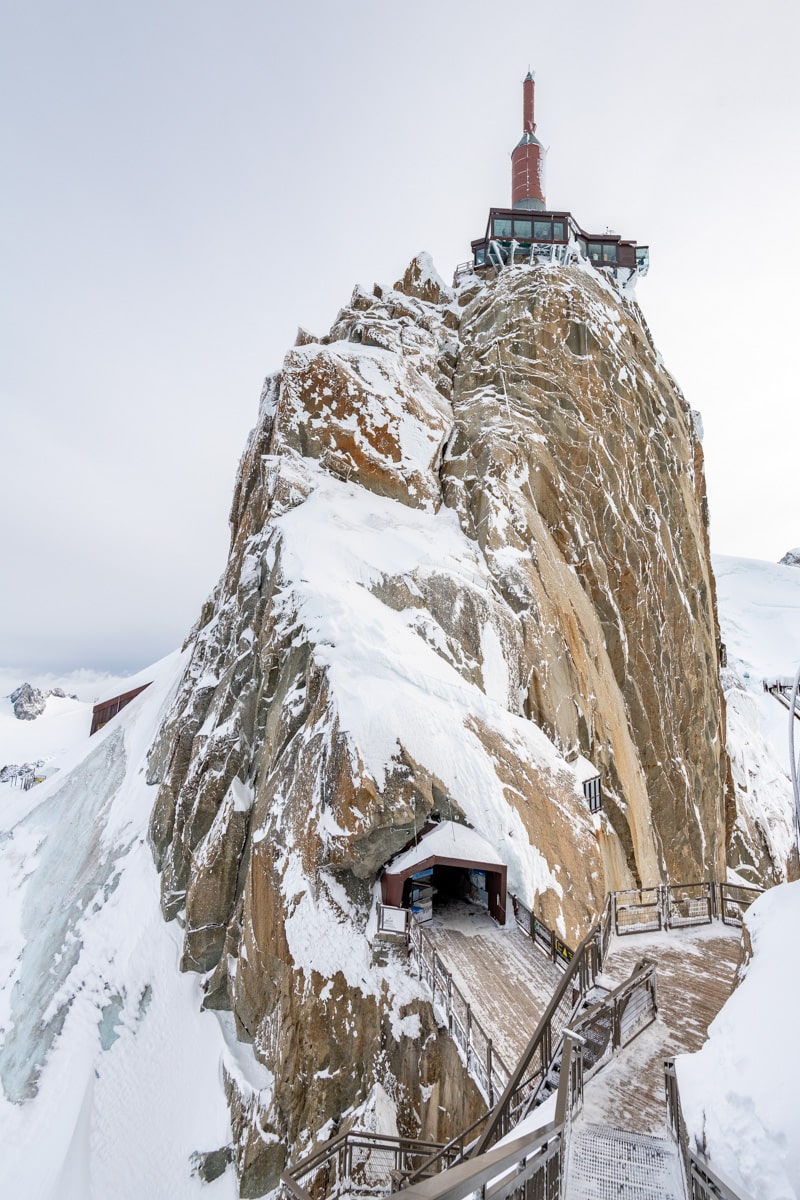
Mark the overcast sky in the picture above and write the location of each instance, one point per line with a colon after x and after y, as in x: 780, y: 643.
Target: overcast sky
x: 186, y: 183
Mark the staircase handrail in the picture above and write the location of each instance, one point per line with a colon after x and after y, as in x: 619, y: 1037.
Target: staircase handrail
x: 583, y: 968
x: 473, y: 1174
x: 493, y: 1070
x: 612, y: 1008
x: 512, y: 1164
x: 340, y: 1143
x: 644, y: 970
x: 702, y: 1182
x: 459, y: 1144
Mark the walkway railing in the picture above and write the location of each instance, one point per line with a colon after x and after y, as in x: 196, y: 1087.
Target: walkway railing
x: 616, y: 1020
x: 539, y: 1058
x: 701, y: 1182
x: 604, y: 1028
x: 540, y: 934
x: 733, y: 900
x: 678, y: 905
x: 481, y: 1059
x: 360, y: 1161
x: 531, y: 1167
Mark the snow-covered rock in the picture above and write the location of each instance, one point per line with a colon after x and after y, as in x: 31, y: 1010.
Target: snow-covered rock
x: 468, y: 543
x: 17, y: 772
x: 791, y: 558
x: 28, y: 702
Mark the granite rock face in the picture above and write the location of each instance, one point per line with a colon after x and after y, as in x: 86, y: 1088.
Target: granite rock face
x: 576, y: 466
x: 468, y: 542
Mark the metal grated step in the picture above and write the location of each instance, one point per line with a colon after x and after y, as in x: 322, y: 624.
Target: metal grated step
x: 610, y: 1164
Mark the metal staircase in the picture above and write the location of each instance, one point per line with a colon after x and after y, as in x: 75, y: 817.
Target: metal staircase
x: 583, y: 1027
x: 604, y: 1163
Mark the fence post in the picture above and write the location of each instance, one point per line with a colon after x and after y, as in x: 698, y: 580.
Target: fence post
x: 489, y: 1071
x: 433, y: 978
x: 469, y: 1032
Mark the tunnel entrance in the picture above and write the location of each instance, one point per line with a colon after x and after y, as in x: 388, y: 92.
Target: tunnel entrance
x: 447, y: 864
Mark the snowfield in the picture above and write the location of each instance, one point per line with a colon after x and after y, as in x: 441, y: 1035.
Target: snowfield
x: 759, y: 612
x: 739, y: 1093
x: 110, y: 1073
x: 65, y: 723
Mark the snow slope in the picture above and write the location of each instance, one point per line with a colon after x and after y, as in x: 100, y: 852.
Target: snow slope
x: 65, y: 723
x: 739, y: 1094
x: 759, y: 609
x: 759, y: 612
x: 110, y: 1073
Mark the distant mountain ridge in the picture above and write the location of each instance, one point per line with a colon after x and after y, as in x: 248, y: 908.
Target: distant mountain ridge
x: 29, y: 702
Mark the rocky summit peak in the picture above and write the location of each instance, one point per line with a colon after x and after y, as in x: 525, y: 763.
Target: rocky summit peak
x: 469, y: 544
x: 29, y: 702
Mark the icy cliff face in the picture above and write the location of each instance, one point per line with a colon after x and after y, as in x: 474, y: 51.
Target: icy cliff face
x: 468, y: 541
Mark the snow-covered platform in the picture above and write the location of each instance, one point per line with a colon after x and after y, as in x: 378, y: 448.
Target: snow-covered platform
x: 695, y: 975
x: 507, y: 980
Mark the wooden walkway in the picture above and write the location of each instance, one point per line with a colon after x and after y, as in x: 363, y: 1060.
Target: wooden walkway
x: 695, y: 975
x: 508, y: 980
